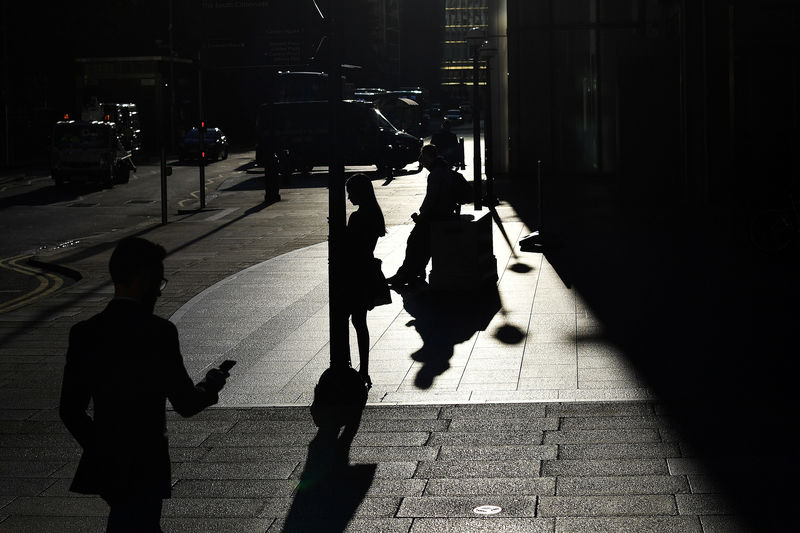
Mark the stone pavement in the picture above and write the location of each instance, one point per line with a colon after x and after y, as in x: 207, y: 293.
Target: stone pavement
x: 510, y: 394
x: 550, y: 467
x: 534, y: 341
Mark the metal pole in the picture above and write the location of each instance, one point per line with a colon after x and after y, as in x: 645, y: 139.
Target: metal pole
x: 200, y: 133
x: 163, y: 185
x: 339, y: 328
x: 487, y: 128
x: 171, y: 132
x: 539, y: 181
x: 476, y: 129
x: 6, y: 87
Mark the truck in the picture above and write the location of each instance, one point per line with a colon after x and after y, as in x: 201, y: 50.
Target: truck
x: 124, y: 115
x: 89, y: 151
x: 295, y: 136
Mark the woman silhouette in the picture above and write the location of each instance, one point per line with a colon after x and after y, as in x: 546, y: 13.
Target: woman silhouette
x: 366, y: 284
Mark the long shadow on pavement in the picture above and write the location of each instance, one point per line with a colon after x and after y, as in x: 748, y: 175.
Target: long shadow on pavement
x: 330, y: 489
x: 710, y: 323
x: 444, y: 319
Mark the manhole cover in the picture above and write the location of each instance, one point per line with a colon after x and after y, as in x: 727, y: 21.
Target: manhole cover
x: 487, y: 509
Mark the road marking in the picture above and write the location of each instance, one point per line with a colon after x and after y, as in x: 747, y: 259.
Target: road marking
x: 195, y: 195
x: 48, y: 283
x: 223, y: 213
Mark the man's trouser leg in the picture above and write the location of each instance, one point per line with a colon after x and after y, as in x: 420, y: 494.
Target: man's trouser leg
x: 418, y: 252
x: 135, y: 516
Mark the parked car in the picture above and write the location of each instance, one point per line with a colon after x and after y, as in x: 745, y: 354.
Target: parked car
x: 294, y: 136
x: 89, y: 151
x: 216, y: 145
x: 454, y: 116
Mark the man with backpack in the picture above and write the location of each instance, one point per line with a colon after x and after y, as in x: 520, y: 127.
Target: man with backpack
x: 443, y: 197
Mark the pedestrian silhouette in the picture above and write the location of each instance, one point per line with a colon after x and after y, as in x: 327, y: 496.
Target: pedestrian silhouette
x: 127, y: 362
x: 446, y: 143
x: 366, y: 285
x: 440, y: 203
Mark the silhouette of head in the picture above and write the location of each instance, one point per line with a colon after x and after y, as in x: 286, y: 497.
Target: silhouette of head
x: 446, y: 124
x: 359, y: 189
x: 428, y: 155
x: 361, y: 193
x: 137, y: 270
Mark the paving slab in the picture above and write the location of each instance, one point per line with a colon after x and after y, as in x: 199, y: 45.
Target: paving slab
x: 519, y: 398
x: 264, y: 317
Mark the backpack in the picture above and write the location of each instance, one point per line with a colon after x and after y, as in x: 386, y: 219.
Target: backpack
x: 463, y: 191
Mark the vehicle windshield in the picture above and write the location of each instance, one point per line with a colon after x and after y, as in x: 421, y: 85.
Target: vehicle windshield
x: 383, y: 122
x: 80, y: 136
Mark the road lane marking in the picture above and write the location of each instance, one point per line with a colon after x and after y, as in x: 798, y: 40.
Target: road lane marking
x: 48, y: 283
x: 195, y: 195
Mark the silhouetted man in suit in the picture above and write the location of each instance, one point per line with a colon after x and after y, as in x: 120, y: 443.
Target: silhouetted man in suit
x: 127, y: 361
x: 447, y: 143
x: 440, y: 203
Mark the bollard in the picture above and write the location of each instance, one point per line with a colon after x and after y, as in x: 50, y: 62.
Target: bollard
x: 272, y: 181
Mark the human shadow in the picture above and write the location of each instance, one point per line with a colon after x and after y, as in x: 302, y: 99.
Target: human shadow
x: 444, y: 319
x: 330, y: 488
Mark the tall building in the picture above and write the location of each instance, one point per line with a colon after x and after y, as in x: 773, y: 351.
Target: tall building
x: 384, y: 36
x: 456, y: 69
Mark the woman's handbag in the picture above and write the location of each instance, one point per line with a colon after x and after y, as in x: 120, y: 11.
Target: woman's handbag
x: 380, y: 288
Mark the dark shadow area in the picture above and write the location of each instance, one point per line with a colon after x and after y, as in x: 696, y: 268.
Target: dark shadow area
x: 250, y: 166
x: 499, y: 223
x: 707, y: 320
x: 313, y: 180
x: 509, y: 334
x: 330, y: 488
x: 100, y: 248
x: 520, y: 268
x: 444, y: 319
x: 49, y: 195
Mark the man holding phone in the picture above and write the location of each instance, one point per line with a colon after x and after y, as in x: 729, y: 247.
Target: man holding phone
x: 127, y: 362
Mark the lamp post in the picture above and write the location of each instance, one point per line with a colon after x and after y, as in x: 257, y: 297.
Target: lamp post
x: 476, y: 37
x: 490, y: 198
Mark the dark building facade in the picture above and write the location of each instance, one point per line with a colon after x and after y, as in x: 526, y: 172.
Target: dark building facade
x: 670, y: 98
x: 664, y: 128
